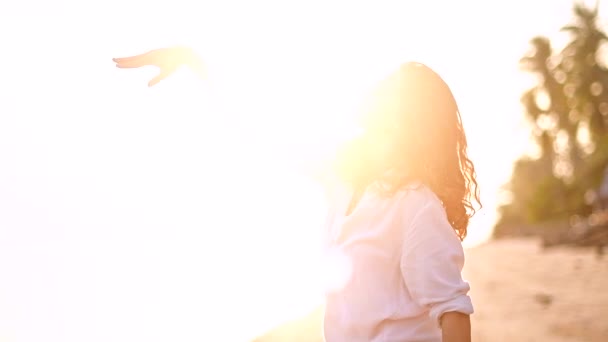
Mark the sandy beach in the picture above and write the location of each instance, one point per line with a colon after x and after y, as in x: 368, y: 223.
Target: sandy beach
x: 521, y: 293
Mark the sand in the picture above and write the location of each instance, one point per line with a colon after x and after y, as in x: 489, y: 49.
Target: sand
x: 521, y: 293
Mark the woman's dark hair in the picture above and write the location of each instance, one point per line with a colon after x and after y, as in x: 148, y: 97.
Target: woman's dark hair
x: 413, y: 132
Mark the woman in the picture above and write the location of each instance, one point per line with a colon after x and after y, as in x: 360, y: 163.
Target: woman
x: 401, y: 200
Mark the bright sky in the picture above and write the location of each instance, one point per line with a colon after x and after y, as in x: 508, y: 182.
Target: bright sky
x: 113, y: 205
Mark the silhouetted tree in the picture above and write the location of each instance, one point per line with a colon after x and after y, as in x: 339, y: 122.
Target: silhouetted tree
x: 586, y: 78
x: 568, y: 113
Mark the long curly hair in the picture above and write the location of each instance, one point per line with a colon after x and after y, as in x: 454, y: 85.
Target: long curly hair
x: 413, y: 132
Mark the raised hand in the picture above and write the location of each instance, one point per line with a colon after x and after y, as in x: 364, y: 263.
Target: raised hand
x: 168, y: 60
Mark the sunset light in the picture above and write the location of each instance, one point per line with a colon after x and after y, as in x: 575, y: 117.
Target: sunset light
x: 169, y: 213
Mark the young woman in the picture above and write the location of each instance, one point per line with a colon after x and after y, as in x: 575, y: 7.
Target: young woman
x: 401, y: 198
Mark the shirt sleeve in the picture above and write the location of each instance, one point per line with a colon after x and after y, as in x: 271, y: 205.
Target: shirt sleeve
x: 431, y: 264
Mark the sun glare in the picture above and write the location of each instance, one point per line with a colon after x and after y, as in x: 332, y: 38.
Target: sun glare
x: 139, y: 228
x: 185, y: 211
x: 312, y: 109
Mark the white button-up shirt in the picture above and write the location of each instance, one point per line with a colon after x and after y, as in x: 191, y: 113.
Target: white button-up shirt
x: 395, y: 263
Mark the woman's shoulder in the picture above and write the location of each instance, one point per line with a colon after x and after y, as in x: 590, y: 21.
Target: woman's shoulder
x: 416, y: 197
x: 413, y: 191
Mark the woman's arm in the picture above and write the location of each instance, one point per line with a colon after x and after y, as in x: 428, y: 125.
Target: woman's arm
x: 431, y: 264
x: 456, y: 327
x: 168, y: 60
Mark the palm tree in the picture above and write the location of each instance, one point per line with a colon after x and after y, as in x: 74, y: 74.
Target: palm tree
x: 540, y: 63
x: 587, y: 78
x: 570, y: 99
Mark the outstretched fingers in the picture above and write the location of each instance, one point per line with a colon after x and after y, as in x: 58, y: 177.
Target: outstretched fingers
x: 131, y: 63
x: 131, y: 58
